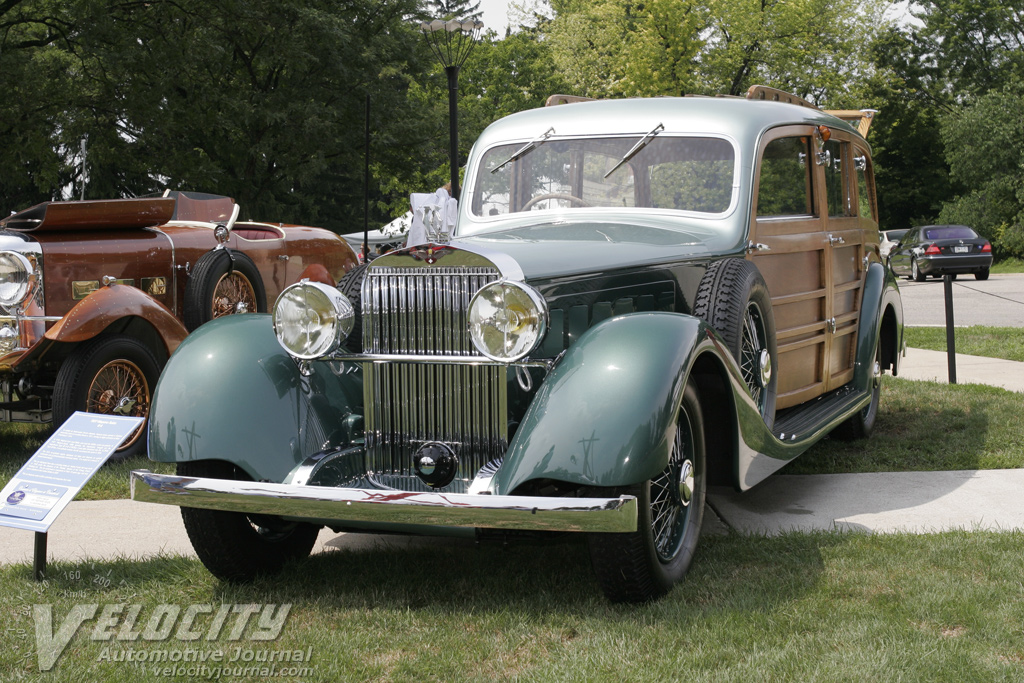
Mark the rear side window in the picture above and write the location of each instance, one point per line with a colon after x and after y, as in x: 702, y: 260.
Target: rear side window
x: 866, y: 191
x: 784, y: 188
x: 838, y: 192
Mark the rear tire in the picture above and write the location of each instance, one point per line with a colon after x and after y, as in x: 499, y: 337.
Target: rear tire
x: 238, y: 547
x: 981, y: 274
x: 645, y: 564
x: 915, y: 273
x: 861, y: 425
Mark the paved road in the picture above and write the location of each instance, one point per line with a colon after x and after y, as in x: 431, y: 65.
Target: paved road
x: 998, y: 301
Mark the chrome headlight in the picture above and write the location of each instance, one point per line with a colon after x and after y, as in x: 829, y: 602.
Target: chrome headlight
x: 15, y: 278
x: 311, y: 320
x: 507, y: 320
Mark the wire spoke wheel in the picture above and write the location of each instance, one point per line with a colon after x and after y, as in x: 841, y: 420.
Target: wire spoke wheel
x: 645, y: 564
x: 233, y: 294
x: 755, y: 362
x: 671, y: 493
x: 120, y: 388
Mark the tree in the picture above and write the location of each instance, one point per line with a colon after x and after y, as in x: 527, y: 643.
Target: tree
x: 978, y: 44
x: 454, y: 9
x: 985, y: 149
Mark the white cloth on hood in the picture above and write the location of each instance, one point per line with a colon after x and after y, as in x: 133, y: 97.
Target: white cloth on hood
x: 432, y: 213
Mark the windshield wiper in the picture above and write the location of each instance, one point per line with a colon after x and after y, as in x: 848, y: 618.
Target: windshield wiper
x: 522, y: 151
x: 636, y: 148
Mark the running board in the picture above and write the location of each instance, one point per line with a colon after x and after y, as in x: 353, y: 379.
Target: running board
x: 805, y: 421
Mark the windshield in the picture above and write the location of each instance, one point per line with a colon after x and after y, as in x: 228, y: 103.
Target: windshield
x: 693, y: 174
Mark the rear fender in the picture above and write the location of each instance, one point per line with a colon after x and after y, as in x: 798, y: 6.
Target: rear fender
x: 605, y: 416
x: 881, y: 322
x: 232, y: 393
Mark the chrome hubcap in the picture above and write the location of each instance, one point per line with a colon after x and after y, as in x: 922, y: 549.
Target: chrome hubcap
x: 766, y: 367
x: 686, y: 483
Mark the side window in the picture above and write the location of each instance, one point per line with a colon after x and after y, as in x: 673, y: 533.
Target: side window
x: 865, y: 184
x: 784, y: 188
x: 838, y: 180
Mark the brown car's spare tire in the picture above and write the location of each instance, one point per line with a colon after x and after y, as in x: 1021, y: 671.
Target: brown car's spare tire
x: 733, y: 299
x: 222, y: 282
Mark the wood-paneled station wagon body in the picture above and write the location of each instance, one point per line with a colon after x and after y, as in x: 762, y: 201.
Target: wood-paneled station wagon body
x: 95, y: 295
x: 640, y: 298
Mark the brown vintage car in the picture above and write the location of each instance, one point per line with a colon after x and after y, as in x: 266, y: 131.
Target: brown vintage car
x: 96, y: 295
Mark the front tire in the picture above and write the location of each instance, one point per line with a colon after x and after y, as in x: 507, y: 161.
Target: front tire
x: 111, y: 375
x: 238, y: 547
x: 645, y: 564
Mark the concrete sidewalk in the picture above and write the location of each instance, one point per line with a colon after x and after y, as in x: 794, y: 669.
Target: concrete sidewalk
x: 916, y: 502
x: 924, y: 365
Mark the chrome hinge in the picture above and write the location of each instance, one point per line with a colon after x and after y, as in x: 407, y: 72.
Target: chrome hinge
x: 757, y: 246
x: 830, y: 325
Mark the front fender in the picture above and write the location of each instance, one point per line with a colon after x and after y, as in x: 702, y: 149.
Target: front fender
x: 232, y: 393
x: 881, y: 295
x: 107, y: 305
x: 605, y: 416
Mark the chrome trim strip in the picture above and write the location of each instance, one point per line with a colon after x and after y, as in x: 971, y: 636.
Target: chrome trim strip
x: 393, y: 507
x: 546, y: 363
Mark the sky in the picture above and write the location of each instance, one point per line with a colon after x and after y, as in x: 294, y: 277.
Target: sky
x: 495, y: 15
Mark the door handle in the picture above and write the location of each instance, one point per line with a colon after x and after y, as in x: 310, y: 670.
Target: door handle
x: 834, y: 240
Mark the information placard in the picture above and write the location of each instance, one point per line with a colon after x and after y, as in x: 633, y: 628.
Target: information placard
x: 51, y: 478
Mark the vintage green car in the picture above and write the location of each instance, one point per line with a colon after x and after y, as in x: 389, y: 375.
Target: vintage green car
x: 640, y: 298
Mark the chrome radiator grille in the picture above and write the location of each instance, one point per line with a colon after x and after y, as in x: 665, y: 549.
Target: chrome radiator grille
x: 423, y: 311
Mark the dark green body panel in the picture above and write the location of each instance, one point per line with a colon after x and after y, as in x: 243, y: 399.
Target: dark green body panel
x: 230, y: 392
x: 606, y: 415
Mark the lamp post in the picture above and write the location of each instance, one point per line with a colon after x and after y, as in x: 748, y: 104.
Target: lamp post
x: 451, y: 42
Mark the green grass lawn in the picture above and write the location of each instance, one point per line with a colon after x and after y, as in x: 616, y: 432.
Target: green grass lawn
x: 920, y: 426
x: 19, y: 441
x: 1010, y: 265
x: 929, y: 426
x: 799, y: 607
x: 978, y: 340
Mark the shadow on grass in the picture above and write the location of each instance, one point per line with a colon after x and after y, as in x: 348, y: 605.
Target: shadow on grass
x: 749, y: 573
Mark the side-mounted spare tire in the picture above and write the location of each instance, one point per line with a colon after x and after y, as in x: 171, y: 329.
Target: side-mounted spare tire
x: 223, y: 282
x: 351, y: 285
x: 733, y: 298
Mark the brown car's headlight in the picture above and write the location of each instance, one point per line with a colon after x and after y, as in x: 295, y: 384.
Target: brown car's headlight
x: 507, y: 320
x: 15, y: 278
x: 311, y: 320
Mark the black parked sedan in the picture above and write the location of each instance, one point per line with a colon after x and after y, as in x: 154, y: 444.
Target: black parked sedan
x: 940, y: 250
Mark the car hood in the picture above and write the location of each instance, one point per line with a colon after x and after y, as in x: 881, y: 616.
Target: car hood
x: 559, y: 249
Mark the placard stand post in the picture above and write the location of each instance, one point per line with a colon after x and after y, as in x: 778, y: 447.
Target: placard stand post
x: 39, y: 559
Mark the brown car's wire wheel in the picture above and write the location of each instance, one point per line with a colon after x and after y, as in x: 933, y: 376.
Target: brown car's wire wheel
x: 223, y: 282
x: 120, y: 388
x: 233, y: 294
x: 110, y: 375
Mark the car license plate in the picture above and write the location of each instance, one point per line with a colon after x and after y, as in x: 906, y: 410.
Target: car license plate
x: 961, y: 250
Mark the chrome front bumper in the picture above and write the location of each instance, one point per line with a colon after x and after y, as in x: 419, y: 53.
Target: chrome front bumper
x: 391, y: 507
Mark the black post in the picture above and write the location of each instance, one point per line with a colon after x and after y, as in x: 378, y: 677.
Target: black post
x: 947, y: 285
x: 39, y: 559
x: 366, y: 186
x: 453, y: 125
